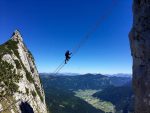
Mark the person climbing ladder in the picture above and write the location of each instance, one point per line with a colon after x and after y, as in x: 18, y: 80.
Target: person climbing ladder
x: 67, y: 55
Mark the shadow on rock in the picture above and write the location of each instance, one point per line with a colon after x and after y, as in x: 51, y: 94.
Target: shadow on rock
x: 26, y: 108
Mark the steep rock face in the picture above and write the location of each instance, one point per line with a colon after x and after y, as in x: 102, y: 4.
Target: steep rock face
x: 140, y: 50
x: 20, y: 86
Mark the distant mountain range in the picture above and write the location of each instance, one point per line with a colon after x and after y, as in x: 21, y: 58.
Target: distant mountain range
x: 61, y: 98
x: 120, y: 75
x: 86, y: 81
x: 75, y: 74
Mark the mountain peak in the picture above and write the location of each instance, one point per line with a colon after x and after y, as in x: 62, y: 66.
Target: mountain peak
x: 17, y: 36
x: 19, y: 78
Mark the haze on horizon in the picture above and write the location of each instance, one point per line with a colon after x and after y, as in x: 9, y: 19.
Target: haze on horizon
x: 49, y: 28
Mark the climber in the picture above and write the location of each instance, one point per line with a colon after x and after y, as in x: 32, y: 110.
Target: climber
x: 67, y: 55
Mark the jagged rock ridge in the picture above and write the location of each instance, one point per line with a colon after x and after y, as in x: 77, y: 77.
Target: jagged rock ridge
x: 140, y: 50
x: 19, y: 78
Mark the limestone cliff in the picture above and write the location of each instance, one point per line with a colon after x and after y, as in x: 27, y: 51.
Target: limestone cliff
x: 140, y: 50
x: 20, y: 87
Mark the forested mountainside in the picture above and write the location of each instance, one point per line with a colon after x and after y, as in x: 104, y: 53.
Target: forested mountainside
x: 76, y: 94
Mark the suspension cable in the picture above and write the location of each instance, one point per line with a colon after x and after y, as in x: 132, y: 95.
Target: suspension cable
x: 88, y: 34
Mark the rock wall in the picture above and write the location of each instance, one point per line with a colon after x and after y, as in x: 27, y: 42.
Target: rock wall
x: 20, y: 86
x: 140, y: 50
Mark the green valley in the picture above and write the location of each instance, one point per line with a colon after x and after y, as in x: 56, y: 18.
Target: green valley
x: 86, y: 95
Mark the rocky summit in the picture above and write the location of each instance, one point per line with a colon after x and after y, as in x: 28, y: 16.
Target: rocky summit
x: 20, y: 86
x: 140, y: 50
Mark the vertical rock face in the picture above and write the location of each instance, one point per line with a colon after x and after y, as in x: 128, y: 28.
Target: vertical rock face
x: 20, y: 87
x: 140, y: 50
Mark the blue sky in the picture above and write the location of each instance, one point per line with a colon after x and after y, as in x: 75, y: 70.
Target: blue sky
x: 50, y: 27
